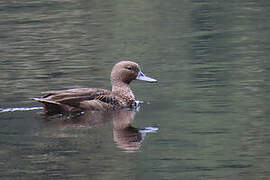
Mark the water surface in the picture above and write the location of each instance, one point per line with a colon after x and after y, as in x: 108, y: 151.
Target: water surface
x: 210, y: 105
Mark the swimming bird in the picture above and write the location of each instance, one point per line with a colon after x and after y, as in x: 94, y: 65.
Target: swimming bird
x: 83, y: 99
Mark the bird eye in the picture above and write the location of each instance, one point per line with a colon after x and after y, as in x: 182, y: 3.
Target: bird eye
x: 129, y: 68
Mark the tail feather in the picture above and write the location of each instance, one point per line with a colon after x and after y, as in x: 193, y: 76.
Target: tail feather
x: 51, y: 107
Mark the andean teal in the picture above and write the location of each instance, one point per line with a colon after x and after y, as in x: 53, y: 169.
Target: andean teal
x: 82, y: 99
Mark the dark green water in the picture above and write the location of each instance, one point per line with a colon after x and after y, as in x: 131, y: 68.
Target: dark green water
x: 211, y: 104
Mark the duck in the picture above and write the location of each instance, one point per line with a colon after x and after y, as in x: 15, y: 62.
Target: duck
x: 96, y: 99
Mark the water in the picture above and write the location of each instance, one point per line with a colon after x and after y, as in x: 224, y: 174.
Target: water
x: 208, y: 116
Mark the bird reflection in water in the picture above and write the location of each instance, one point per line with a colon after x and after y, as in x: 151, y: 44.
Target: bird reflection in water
x: 125, y: 135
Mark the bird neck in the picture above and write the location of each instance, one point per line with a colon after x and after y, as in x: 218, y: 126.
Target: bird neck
x: 123, y: 89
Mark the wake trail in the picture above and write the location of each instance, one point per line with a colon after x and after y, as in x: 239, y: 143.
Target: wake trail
x: 3, y: 110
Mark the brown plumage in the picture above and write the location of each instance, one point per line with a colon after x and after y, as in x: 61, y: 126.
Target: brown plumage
x: 81, y: 99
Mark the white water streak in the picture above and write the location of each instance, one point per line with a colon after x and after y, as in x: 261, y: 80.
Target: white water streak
x: 2, y: 110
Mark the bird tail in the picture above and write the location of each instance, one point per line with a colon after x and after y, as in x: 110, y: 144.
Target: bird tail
x: 51, y: 107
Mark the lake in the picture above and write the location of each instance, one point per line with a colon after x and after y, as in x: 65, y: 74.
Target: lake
x: 206, y: 118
